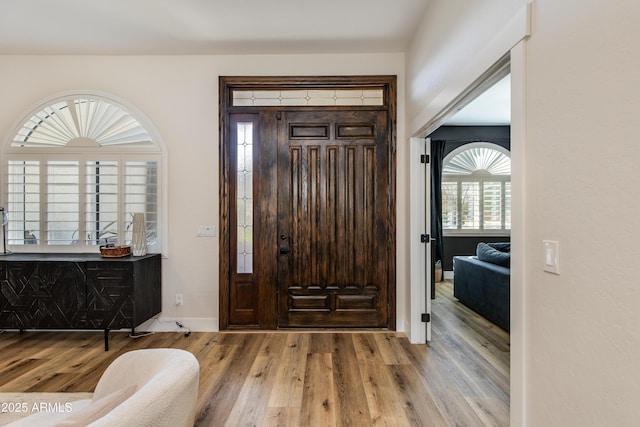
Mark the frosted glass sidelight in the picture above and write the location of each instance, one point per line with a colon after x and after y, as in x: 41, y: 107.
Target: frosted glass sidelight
x: 244, y: 196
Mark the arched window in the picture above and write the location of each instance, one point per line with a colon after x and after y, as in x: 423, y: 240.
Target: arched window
x: 77, y: 168
x: 476, y: 190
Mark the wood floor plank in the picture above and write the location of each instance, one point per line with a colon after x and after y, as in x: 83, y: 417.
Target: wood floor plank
x: 251, y: 403
x: 289, y: 382
x: 383, y: 395
x: 420, y: 408
x: 319, y: 398
x: 282, y: 417
x: 389, y: 349
x: 222, y: 399
x: 301, y: 378
x: 351, y: 401
x: 443, y: 384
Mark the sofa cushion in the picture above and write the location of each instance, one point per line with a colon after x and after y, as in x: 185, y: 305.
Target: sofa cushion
x: 487, y: 253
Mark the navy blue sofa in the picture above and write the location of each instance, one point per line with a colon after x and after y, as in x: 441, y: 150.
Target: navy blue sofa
x: 483, y: 286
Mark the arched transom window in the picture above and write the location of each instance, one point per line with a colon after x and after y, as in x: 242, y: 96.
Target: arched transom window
x: 476, y: 190
x: 77, y: 168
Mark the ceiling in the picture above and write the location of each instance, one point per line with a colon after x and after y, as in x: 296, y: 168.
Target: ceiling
x: 491, y: 107
x: 206, y: 27
x: 134, y: 27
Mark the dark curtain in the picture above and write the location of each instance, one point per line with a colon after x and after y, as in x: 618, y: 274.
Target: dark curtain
x: 437, y: 156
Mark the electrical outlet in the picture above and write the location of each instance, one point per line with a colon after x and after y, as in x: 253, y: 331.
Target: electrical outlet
x: 206, y: 231
x: 179, y: 299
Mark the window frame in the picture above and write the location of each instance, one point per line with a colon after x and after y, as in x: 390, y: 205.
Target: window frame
x: 481, y: 178
x: 83, y: 153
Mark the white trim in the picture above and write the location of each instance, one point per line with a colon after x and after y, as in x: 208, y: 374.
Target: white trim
x: 518, y: 312
x: 168, y: 324
x: 418, y: 268
x: 461, y: 80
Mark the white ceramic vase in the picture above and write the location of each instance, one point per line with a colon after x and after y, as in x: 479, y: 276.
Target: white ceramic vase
x: 139, y: 235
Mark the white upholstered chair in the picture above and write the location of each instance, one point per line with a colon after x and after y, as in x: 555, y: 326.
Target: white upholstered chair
x: 150, y: 387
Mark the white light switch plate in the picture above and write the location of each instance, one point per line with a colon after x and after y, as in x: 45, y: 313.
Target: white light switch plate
x: 551, y: 256
x: 206, y: 231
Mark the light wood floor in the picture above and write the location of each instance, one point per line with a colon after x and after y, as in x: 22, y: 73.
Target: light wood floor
x: 287, y: 378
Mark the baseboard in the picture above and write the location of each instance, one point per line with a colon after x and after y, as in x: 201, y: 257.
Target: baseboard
x: 448, y: 275
x: 193, y: 324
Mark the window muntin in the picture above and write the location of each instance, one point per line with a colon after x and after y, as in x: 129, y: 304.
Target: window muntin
x: 476, y: 190
x: 77, y: 169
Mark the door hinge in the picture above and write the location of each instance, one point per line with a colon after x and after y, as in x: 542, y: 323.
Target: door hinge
x: 426, y: 317
x: 278, y: 116
x: 424, y: 238
x: 424, y: 158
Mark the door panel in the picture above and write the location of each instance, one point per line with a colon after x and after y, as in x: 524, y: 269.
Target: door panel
x: 333, y: 219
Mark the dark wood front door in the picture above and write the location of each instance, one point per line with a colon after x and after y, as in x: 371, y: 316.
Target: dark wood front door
x: 333, y: 219
x: 307, y: 203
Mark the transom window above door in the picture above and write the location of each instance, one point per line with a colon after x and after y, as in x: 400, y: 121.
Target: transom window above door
x: 76, y: 169
x: 308, y: 97
x: 476, y: 190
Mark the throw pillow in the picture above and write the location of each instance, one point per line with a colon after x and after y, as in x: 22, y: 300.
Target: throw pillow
x: 486, y: 253
x: 501, y: 246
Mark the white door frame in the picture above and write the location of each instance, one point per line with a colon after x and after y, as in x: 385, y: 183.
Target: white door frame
x: 420, y: 253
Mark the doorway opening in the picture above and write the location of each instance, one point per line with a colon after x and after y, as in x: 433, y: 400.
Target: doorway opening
x: 485, y: 81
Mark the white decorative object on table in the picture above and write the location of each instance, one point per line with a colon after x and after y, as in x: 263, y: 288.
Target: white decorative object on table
x: 139, y: 235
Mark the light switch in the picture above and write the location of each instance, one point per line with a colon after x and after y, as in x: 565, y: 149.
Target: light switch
x: 551, y: 256
x: 206, y: 231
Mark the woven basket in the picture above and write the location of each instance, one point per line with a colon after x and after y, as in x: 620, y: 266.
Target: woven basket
x: 115, y: 251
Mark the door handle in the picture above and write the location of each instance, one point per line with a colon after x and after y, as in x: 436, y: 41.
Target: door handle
x: 284, y: 248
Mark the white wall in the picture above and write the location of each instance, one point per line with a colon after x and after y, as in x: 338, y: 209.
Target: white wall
x: 583, y: 102
x: 582, y: 342
x: 179, y: 94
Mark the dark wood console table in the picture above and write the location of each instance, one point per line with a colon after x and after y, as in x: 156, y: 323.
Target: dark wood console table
x: 78, y: 291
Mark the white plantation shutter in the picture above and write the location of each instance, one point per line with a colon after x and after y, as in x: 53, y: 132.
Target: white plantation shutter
x: 450, y: 205
x: 63, y: 197
x: 23, y: 194
x: 81, y: 120
x: 476, y: 189
x: 101, y: 202
x: 141, y: 195
x: 492, y: 213
x: 470, y: 206
x: 77, y: 169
